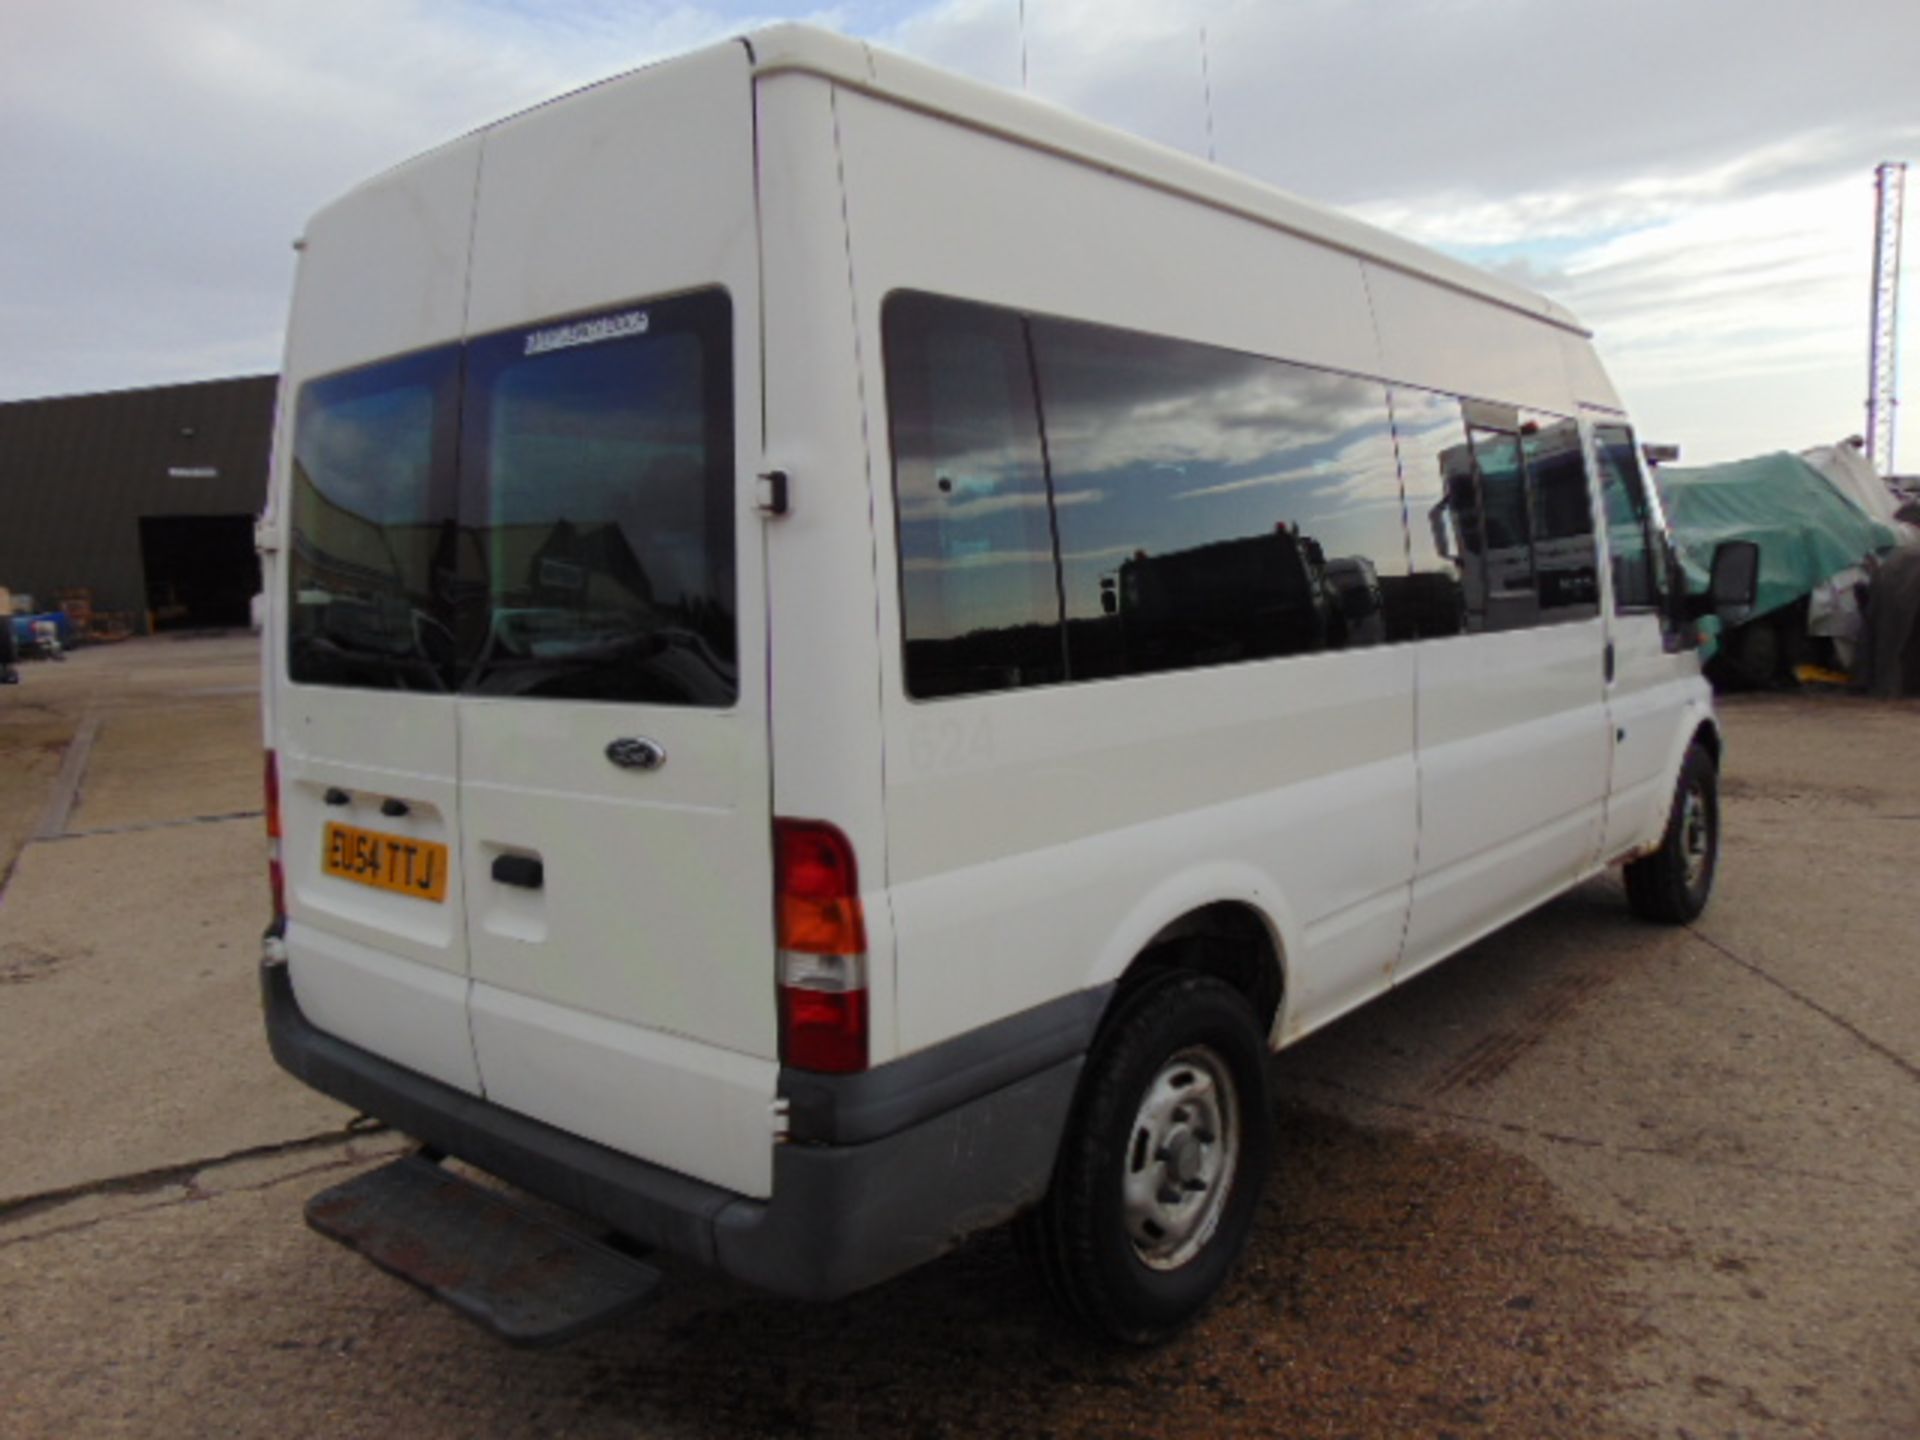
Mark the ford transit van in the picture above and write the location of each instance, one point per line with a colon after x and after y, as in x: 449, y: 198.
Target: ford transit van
x: 848, y: 652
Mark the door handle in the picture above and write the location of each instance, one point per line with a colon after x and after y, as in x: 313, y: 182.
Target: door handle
x: 394, y: 809
x: 1609, y: 662
x: 336, y: 796
x: 526, y: 871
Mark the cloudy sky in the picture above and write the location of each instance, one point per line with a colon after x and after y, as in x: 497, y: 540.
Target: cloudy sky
x: 1692, y: 177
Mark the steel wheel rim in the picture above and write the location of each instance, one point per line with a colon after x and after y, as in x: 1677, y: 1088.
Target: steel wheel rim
x: 1696, y: 836
x: 1182, y: 1154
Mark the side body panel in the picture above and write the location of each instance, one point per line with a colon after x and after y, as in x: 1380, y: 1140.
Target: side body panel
x: 1037, y: 839
x: 382, y: 272
x: 829, y: 753
x: 1512, y: 725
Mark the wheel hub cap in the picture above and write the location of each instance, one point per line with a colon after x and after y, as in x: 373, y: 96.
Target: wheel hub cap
x: 1181, y: 1157
x: 1696, y: 837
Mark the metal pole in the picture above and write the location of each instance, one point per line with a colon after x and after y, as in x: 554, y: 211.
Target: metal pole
x: 1206, y: 90
x: 1023, y: 44
x: 1883, y: 337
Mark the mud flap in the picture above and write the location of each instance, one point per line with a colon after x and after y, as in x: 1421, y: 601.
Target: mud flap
x: 526, y: 1279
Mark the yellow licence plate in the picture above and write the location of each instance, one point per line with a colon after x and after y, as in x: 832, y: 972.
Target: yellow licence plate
x: 386, y: 862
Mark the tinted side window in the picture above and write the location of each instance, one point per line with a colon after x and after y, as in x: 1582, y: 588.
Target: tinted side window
x: 373, y: 545
x: 1430, y: 440
x: 980, y: 595
x: 1565, y: 561
x: 1630, y: 529
x: 598, y: 476
x: 1503, y: 549
x: 1213, y: 507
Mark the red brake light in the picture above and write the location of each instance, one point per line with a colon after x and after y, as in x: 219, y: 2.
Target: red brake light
x: 273, y: 796
x: 822, y: 939
x: 276, y: 877
x: 822, y: 1031
x: 818, y: 888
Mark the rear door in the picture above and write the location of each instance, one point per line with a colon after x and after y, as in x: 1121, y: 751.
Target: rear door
x: 365, y: 728
x: 615, y: 814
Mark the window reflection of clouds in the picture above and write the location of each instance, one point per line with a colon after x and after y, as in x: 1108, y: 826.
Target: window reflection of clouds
x: 1189, y: 407
x: 369, y: 455
x: 1427, y: 426
x: 921, y: 508
x: 1246, y: 445
x: 974, y: 526
x: 1208, y: 506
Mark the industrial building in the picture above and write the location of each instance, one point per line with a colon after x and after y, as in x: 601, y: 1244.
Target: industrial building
x: 144, y: 498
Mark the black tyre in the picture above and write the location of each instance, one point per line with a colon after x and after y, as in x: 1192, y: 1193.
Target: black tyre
x: 1160, y: 1173
x: 1672, y: 884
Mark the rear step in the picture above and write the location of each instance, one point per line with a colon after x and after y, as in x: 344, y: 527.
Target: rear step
x: 523, y: 1277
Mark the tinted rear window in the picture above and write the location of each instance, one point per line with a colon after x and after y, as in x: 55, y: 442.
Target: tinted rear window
x: 558, y: 525
x: 598, y: 477
x: 373, y: 542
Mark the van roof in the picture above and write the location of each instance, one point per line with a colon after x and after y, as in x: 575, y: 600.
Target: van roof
x: 861, y: 66
x: 791, y: 47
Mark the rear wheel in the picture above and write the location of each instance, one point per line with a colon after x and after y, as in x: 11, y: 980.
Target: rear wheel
x: 1672, y: 884
x: 1160, y: 1174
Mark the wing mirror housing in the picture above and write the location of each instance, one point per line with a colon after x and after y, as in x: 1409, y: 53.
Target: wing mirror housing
x: 1734, y: 586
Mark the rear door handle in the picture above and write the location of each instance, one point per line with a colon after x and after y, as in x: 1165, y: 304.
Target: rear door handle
x: 522, y: 870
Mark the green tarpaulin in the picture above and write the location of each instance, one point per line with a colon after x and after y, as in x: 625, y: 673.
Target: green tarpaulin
x: 1807, y: 533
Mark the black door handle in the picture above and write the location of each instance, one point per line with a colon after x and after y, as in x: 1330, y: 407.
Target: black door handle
x: 336, y: 796
x: 394, y: 809
x: 522, y: 870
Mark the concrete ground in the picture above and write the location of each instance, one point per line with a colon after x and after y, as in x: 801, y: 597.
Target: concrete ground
x: 1588, y: 1178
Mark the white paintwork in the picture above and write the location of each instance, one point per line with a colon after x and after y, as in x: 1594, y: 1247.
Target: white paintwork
x: 1513, y: 777
x: 656, y: 916
x: 697, y: 1108
x: 1378, y: 808
x: 383, y: 271
x: 822, y: 566
x: 414, y: 1015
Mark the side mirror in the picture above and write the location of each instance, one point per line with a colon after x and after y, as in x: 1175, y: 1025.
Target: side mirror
x: 1735, y: 583
x: 1109, y: 600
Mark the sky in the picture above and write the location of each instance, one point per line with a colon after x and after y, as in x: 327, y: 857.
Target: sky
x: 1692, y: 178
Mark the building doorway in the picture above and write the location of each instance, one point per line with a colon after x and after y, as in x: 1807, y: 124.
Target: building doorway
x: 202, y: 572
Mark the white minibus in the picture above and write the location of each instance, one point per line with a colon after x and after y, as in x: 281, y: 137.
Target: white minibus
x: 848, y: 652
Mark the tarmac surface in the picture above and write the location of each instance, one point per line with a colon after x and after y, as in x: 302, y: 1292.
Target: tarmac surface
x: 1588, y: 1178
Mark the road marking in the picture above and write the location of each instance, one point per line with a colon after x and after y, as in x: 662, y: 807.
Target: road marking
x: 66, y: 785
x: 139, y: 825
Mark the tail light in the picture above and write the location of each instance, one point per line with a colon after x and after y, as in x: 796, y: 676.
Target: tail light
x: 822, y: 941
x: 276, y: 877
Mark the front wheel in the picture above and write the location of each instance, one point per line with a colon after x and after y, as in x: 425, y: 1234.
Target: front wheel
x: 1159, y: 1177
x: 1672, y: 884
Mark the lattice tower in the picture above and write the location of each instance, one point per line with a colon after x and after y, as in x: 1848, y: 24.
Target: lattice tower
x: 1883, y: 345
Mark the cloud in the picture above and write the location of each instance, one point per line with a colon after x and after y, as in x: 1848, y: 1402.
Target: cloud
x: 952, y: 512
x: 1692, y: 179
x: 161, y: 157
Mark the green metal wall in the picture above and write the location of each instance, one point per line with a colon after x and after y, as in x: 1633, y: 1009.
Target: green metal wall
x: 78, y: 472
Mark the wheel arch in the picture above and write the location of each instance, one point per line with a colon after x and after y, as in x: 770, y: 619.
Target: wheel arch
x: 1699, y: 725
x: 1223, y: 921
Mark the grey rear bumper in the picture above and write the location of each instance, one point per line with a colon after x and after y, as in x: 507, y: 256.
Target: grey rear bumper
x: 941, y: 1145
